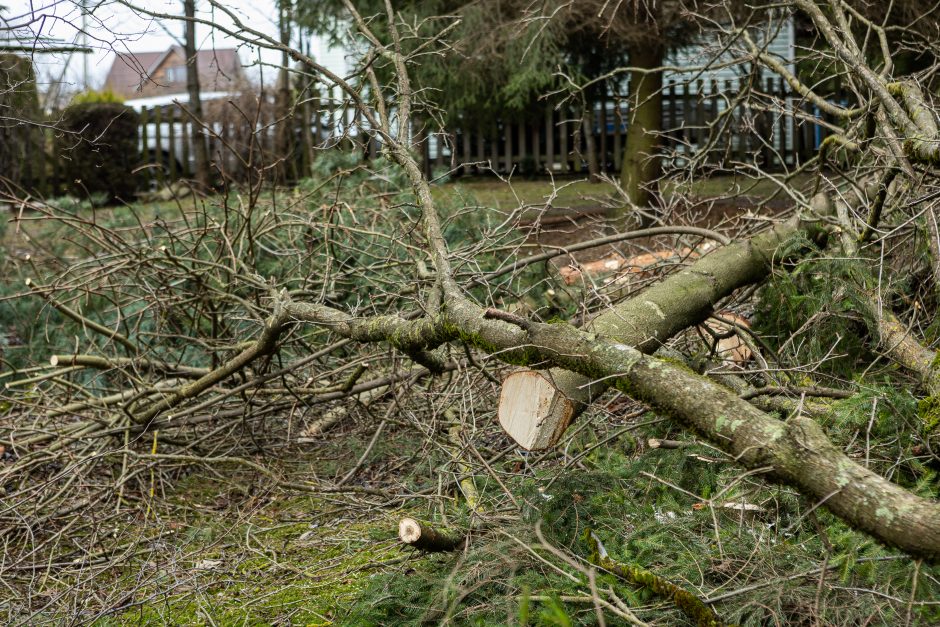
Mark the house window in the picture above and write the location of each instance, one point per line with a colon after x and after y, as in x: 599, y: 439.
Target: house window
x: 176, y: 74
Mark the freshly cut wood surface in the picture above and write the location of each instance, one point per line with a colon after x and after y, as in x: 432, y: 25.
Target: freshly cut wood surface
x: 426, y: 538
x: 536, y: 418
x: 731, y: 348
x: 616, y: 264
x: 533, y: 410
x: 619, y: 269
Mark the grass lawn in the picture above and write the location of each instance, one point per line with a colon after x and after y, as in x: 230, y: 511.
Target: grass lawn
x: 579, y: 192
x: 471, y: 191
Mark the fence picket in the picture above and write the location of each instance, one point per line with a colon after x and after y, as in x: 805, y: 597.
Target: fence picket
x: 507, y: 147
x: 158, y: 141
x: 553, y: 142
x: 602, y: 140
x: 563, y: 136
x: 550, y: 140
x: 536, y: 148
x: 521, y: 145
x: 618, y: 134
x: 465, y: 146
x: 171, y: 144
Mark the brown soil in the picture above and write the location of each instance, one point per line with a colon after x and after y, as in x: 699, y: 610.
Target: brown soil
x: 562, y: 226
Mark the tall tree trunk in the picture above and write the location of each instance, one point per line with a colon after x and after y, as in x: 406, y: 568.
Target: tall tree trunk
x: 200, y: 149
x: 590, y: 144
x: 282, y: 146
x: 641, y: 164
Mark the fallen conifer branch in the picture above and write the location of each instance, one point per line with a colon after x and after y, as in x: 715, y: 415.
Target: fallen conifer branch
x: 691, y: 605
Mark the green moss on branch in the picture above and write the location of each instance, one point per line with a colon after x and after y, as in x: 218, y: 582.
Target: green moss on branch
x: 691, y: 605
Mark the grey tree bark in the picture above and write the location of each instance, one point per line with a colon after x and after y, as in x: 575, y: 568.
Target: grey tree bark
x: 200, y: 145
x: 537, y: 407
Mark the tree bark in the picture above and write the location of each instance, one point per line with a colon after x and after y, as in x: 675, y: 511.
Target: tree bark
x: 426, y: 538
x: 590, y: 145
x: 536, y: 408
x: 641, y: 163
x: 896, y: 340
x: 200, y: 149
x: 795, y: 451
x: 282, y: 148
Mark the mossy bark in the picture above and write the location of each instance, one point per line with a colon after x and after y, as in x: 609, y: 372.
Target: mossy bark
x: 796, y: 451
x: 645, y: 322
x: 896, y: 340
x: 691, y: 605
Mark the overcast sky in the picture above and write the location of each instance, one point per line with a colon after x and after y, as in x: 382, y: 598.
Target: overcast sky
x: 113, y: 27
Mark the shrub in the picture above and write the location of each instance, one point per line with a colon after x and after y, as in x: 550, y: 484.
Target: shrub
x: 19, y: 107
x: 99, y: 149
x: 96, y: 96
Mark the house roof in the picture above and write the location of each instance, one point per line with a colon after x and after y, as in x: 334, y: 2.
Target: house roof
x: 130, y: 71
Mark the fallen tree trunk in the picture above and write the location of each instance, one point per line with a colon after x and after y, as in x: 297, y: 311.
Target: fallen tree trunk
x: 614, y: 266
x: 536, y: 407
x: 795, y: 451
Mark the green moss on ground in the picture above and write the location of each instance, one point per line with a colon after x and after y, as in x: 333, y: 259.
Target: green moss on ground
x: 928, y: 409
x: 299, y: 584
x: 290, y: 561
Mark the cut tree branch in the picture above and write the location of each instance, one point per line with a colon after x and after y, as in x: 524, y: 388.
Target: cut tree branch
x: 537, y: 407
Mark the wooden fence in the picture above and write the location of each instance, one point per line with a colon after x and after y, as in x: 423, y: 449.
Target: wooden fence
x: 701, y: 120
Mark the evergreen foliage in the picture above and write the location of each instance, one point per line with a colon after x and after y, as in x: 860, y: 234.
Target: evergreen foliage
x: 19, y: 111
x: 96, y: 95
x: 507, y: 577
x: 99, y: 149
x: 504, y: 58
x: 811, y: 309
x: 497, y: 65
